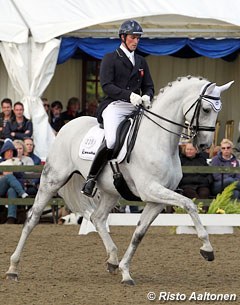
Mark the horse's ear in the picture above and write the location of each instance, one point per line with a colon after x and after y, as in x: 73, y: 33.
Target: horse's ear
x: 210, y: 89
x: 226, y: 86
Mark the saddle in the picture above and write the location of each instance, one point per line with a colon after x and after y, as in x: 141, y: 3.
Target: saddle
x: 125, y: 139
x: 122, y: 131
x: 132, y: 121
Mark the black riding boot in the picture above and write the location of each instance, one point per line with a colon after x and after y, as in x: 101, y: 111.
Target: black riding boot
x: 102, y: 156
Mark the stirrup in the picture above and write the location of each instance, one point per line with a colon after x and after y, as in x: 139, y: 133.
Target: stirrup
x: 88, y: 188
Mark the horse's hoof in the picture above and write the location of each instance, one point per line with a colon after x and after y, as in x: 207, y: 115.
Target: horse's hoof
x: 128, y: 282
x: 12, y: 276
x: 111, y: 268
x: 209, y: 256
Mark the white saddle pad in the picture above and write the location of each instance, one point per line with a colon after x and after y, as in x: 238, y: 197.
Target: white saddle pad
x: 92, y: 141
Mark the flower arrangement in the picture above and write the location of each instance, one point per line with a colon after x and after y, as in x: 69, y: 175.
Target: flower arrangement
x: 222, y: 204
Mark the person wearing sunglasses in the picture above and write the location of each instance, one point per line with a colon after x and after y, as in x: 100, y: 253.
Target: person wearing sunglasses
x: 225, y: 157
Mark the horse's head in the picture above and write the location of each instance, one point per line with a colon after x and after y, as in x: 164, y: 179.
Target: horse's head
x: 202, y: 115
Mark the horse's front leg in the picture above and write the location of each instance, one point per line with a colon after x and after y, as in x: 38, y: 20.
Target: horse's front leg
x: 158, y: 193
x: 99, y: 219
x: 150, y: 212
x: 206, y: 250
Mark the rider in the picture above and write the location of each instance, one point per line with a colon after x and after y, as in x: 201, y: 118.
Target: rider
x: 127, y: 83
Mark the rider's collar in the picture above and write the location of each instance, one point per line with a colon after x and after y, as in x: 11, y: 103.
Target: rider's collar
x: 126, y: 51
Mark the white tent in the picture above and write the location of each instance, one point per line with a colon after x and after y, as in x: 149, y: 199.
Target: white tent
x: 49, y: 19
x: 29, y: 28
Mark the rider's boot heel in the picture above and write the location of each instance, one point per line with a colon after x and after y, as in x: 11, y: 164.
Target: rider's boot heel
x: 88, y: 188
x: 100, y: 160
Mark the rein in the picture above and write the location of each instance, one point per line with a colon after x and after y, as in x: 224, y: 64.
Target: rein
x: 192, y: 130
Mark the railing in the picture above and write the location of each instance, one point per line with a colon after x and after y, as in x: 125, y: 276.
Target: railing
x: 33, y: 171
x: 60, y: 202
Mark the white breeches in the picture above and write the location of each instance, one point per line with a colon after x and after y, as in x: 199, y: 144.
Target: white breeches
x: 113, y: 115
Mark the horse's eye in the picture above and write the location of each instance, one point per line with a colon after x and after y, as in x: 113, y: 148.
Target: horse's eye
x: 206, y: 110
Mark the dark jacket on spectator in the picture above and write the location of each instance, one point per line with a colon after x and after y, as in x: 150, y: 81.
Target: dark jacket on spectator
x: 3, y: 123
x: 12, y: 126
x: 35, y: 158
x: 8, y: 145
x: 57, y: 123
x: 195, y: 180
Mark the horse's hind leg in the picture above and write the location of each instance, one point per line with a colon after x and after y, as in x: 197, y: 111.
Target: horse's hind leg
x: 99, y: 219
x: 148, y: 215
x: 47, y: 189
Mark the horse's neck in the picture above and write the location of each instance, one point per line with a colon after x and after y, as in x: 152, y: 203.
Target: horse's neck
x: 157, y: 136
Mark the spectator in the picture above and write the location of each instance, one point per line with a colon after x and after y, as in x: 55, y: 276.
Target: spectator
x: 92, y: 107
x: 18, y: 127
x: 225, y: 157
x: 56, y: 120
x: 194, y: 185
x: 205, y: 153
x: 29, y: 151
x: 6, y: 114
x: 10, y: 186
x: 31, y: 185
x: 215, y: 150
x: 73, y: 110
x: 21, y: 151
x: 46, y: 105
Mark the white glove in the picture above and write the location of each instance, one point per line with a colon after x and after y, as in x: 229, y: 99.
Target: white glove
x: 135, y: 99
x: 146, y: 101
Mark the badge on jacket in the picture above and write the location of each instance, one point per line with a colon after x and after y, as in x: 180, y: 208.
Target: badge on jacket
x: 141, y: 72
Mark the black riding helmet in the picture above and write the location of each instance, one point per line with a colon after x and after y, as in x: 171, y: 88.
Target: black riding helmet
x: 130, y: 27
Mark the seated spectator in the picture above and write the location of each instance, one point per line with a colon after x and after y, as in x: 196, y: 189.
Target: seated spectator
x: 205, y: 153
x: 32, y: 184
x: 21, y: 151
x: 194, y: 185
x: 56, y: 120
x: 215, y: 150
x: 10, y: 186
x: 225, y: 157
x: 73, y: 110
x: 6, y: 115
x: 29, y: 151
x: 18, y: 127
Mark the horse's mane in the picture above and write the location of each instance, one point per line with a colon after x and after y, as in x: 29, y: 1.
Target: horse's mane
x: 179, y: 79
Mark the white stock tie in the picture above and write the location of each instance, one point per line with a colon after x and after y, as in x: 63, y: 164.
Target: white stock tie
x: 131, y: 58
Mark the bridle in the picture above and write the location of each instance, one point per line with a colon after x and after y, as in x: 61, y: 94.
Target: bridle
x: 191, y: 130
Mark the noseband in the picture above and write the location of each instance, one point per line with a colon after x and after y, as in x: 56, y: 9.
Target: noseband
x: 191, y: 130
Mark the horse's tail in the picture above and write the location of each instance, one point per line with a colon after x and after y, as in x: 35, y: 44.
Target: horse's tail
x: 75, y: 200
